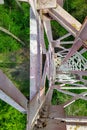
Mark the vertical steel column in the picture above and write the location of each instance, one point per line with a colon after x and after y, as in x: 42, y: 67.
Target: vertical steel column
x: 33, y: 54
x: 39, y: 54
x: 47, y: 26
x: 35, y: 69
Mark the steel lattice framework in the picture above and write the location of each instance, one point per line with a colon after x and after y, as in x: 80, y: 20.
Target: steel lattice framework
x: 65, y: 66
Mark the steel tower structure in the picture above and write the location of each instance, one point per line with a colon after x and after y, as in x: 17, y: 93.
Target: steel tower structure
x: 57, y: 63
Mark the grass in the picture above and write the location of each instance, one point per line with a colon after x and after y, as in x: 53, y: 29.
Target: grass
x: 18, y: 73
x: 78, y: 108
x: 14, y: 60
x: 59, y: 98
x: 57, y: 30
x: 10, y: 118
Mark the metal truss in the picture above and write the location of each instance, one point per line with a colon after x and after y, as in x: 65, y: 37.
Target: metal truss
x: 66, y: 66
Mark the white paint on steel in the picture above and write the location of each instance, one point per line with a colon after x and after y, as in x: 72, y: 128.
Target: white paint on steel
x: 76, y: 127
x: 11, y: 102
x: 33, y: 54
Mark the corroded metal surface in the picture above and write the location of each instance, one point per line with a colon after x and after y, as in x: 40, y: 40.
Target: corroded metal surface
x: 45, y: 119
x: 49, y: 116
x: 45, y: 4
x: 34, y: 108
x: 42, y: 115
x: 53, y: 117
x: 65, y: 19
x: 33, y: 55
x: 76, y: 127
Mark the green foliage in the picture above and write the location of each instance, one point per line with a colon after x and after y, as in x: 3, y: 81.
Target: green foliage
x: 59, y: 98
x: 46, y: 40
x: 77, y: 91
x: 11, y: 119
x: 8, y: 44
x: 57, y: 83
x: 78, y: 108
x: 85, y: 54
x: 16, y: 20
x: 20, y: 76
x: 77, y: 8
x: 80, y: 82
x: 84, y: 77
x: 57, y: 30
x: 46, y: 85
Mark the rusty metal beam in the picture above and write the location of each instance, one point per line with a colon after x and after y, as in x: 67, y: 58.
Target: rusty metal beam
x: 58, y: 43
x: 62, y: 91
x: 33, y: 54
x: 83, y: 51
x: 78, y: 96
x: 65, y: 19
x: 71, y: 119
x: 83, y: 33
x: 42, y: 39
x: 63, y: 37
x: 82, y: 73
x: 34, y: 107
x: 47, y: 26
x: 81, y: 39
x: 45, y: 4
x: 37, y: 91
x: 39, y: 54
x: 76, y: 46
x: 60, y: 2
x: 75, y: 96
x: 77, y: 30
x: 10, y: 94
x: 44, y: 74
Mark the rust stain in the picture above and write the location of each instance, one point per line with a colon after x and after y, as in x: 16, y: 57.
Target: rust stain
x: 74, y: 25
x: 85, y: 42
x: 56, y: 6
x: 70, y: 128
x: 45, y: 2
x: 76, y: 128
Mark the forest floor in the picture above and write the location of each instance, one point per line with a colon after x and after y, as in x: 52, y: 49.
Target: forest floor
x: 16, y: 66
